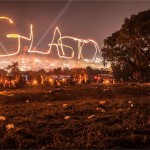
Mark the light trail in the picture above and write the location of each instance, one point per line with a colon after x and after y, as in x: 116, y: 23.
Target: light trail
x: 5, y: 50
x: 17, y: 36
x: 59, y: 45
x: 10, y: 21
x: 3, y: 17
x: 60, y: 14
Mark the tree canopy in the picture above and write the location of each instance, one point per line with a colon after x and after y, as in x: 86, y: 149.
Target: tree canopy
x: 14, y: 69
x: 128, y: 50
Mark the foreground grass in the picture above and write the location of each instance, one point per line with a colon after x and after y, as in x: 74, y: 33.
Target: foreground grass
x: 38, y: 115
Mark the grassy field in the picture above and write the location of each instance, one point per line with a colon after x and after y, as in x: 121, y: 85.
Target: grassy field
x: 90, y: 116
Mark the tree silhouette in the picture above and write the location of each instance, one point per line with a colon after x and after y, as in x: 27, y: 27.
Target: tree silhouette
x: 130, y: 46
x: 14, y: 69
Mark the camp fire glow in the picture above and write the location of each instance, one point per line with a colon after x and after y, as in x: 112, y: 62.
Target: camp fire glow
x: 59, y: 45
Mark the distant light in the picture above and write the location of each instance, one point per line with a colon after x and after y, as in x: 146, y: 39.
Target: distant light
x: 34, y: 82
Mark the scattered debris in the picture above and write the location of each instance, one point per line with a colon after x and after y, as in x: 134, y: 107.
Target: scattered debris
x: 89, y: 117
x: 94, y: 87
x: 104, y: 90
x: 102, y: 102
x: 27, y: 101
x: 65, y: 105
x: 100, y: 109
x: 131, y: 103
x: 101, y: 106
x: 67, y: 117
x: 2, y: 118
x: 19, y: 129
x: 49, y: 104
x: 9, y: 126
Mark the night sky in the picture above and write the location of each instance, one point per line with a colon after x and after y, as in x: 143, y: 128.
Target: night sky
x: 82, y: 19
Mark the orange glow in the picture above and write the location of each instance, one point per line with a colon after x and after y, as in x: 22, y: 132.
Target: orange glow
x: 106, y: 81
x: 58, y: 84
x: 50, y: 80
x: 34, y: 82
x: 63, y: 80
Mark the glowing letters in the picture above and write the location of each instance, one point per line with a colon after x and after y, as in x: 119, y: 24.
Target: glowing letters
x: 59, y: 45
x: 6, y: 18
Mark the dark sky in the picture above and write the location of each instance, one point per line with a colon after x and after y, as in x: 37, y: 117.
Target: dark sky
x: 83, y: 19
